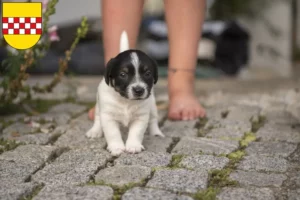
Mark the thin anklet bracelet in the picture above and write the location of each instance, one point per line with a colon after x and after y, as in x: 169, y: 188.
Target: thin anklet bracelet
x: 174, y: 70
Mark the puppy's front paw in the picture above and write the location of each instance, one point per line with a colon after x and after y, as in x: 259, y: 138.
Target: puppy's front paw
x: 134, y: 147
x: 94, y: 133
x: 116, y: 148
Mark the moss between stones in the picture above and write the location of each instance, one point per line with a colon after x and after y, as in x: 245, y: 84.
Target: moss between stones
x: 119, y: 191
x: 236, y: 156
x: 224, y: 114
x: 248, y: 138
x: 209, y: 194
x: 10, y: 109
x: 220, y: 178
x: 175, y: 140
x: 176, y: 159
x: 8, y: 145
x: 257, y: 123
x: 200, y: 126
x: 202, y: 122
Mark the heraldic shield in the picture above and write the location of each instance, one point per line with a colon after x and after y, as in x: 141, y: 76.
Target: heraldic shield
x: 22, y: 24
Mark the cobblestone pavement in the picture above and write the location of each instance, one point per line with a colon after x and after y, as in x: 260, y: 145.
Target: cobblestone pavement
x: 247, y: 148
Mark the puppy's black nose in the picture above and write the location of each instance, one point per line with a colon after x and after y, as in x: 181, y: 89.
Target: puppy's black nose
x: 138, y: 91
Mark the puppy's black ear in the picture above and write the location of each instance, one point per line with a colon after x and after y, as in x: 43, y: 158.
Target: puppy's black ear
x: 155, y: 70
x: 109, y: 67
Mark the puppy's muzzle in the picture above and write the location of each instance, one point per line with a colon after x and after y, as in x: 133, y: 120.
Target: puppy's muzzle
x: 138, y: 91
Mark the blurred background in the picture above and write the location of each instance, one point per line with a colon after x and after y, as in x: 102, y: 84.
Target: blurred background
x: 245, y: 39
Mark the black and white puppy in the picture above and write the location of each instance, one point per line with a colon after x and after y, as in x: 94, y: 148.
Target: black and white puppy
x: 125, y: 97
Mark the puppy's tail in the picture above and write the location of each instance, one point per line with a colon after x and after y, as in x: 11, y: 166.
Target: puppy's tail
x: 124, y: 43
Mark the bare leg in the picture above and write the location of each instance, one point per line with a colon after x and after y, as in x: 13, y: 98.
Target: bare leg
x: 184, y: 18
x: 117, y: 16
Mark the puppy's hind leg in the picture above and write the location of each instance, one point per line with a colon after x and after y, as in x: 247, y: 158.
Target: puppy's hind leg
x: 96, y: 130
x: 154, y: 129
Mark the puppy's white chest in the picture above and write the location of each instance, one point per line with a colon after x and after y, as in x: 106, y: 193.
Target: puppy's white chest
x: 128, y: 113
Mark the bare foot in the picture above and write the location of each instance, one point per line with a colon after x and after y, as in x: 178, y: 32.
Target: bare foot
x: 185, y: 106
x: 92, y: 113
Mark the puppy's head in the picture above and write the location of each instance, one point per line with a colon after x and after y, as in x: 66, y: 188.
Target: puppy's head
x: 132, y: 74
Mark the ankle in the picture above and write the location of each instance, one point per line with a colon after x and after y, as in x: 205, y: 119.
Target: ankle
x: 181, y: 83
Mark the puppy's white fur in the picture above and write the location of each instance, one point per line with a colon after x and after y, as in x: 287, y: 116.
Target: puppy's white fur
x: 112, y: 110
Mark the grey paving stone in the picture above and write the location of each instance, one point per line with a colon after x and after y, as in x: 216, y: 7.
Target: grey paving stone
x: 280, y: 117
x: 61, y: 129
x: 37, y: 138
x: 274, y: 132
x: 18, y: 129
x: 47, y: 127
x: 146, y: 158
x: 294, y: 194
x: 75, y: 192
x: 242, y: 113
x: 179, y: 128
x: 271, y: 148
x: 179, y: 180
x: 122, y: 175
x: 60, y: 118
x: 81, y: 120
x: 55, y: 117
x: 72, y: 167
x: 30, y: 134
x: 18, y: 165
x: 217, y: 112
x: 231, y: 129
x: 194, y: 146
x: 204, y: 162
x: 263, y: 163
x: 246, y: 194
x: 157, y: 144
x: 139, y: 193
x: 75, y: 137
x: 258, y: 179
x: 17, y: 191
x: 70, y: 108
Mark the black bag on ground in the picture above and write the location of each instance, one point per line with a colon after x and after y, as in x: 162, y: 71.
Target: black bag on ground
x: 232, y: 48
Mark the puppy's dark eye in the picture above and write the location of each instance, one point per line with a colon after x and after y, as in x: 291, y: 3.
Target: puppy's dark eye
x: 147, y: 74
x: 122, y: 75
